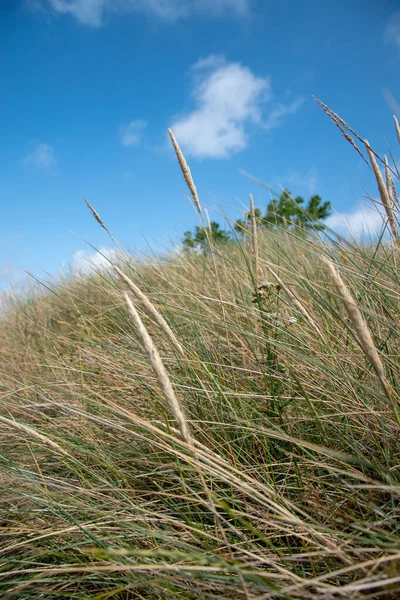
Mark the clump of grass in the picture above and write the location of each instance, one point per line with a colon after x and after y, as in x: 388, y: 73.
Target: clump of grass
x: 161, y: 444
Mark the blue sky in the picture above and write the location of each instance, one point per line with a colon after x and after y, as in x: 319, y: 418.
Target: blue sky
x: 89, y: 88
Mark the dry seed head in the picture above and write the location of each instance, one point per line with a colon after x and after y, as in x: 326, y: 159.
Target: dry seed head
x: 99, y: 220
x: 96, y: 215
x: 33, y: 433
x: 397, y: 127
x: 396, y: 200
x: 342, y: 125
x: 363, y: 334
x: 208, y: 221
x: 389, y: 180
x: 383, y: 191
x: 161, y: 373
x: 151, y: 309
x: 254, y: 238
x: 185, y: 171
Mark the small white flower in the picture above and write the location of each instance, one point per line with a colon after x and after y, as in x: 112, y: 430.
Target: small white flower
x: 292, y: 320
x: 266, y: 284
x: 273, y: 315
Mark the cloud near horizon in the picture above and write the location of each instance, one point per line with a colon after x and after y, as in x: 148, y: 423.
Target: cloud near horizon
x: 363, y: 221
x: 85, y: 262
x: 228, y: 97
x: 92, y: 12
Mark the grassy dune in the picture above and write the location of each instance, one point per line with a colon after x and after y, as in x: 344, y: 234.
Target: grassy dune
x: 215, y: 425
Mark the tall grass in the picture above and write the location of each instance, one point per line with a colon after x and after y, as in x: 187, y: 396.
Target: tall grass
x: 215, y: 425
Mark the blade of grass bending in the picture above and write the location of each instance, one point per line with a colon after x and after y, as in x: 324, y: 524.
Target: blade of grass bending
x: 160, y: 371
x: 151, y: 309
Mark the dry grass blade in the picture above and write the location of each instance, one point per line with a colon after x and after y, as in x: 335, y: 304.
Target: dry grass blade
x: 161, y: 373
x: 389, y: 182
x: 383, y: 191
x: 363, y: 334
x: 185, y: 171
x: 96, y: 215
x: 397, y: 127
x: 33, y: 433
x: 98, y: 218
x: 395, y: 195
x: 208, y: 221
x: 151, y: 309
x: 101, y: 223
x: 342, y: 126
x: 254, y: 239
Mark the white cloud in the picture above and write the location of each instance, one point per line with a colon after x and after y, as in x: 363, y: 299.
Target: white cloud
x: 391, y: 101
x: 212, y: 61
x: 132, y: 132
x: 41, y: 156
x: 365, y: 220
x: 88, y: 12
x: 228, y: 98
x: 392, y: 33
x: 91, y: 12
x: 279, y: 112
x: 85, y: 262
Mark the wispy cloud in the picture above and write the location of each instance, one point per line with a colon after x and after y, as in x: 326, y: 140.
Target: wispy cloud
x: 131, y: 133
x: 41, y: 156
x: 392, y: 33
x: 281, y: 111
x: 364, y: 221
x: 10, y: 274
x: 391, y: 101
x: 228, y: 98
x: 91, y: 12
x: 297, y: 183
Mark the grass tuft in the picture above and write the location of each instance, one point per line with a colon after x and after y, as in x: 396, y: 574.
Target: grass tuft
x: 207, y: 435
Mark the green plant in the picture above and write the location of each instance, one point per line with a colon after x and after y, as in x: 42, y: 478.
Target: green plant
x: 287, y: 212
x: 201, y: 237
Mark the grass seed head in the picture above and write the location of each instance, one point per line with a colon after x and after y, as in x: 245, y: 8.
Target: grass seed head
x: 185, y: 171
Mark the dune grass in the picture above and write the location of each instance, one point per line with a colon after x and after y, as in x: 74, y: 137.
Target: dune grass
x: 214, y: 425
